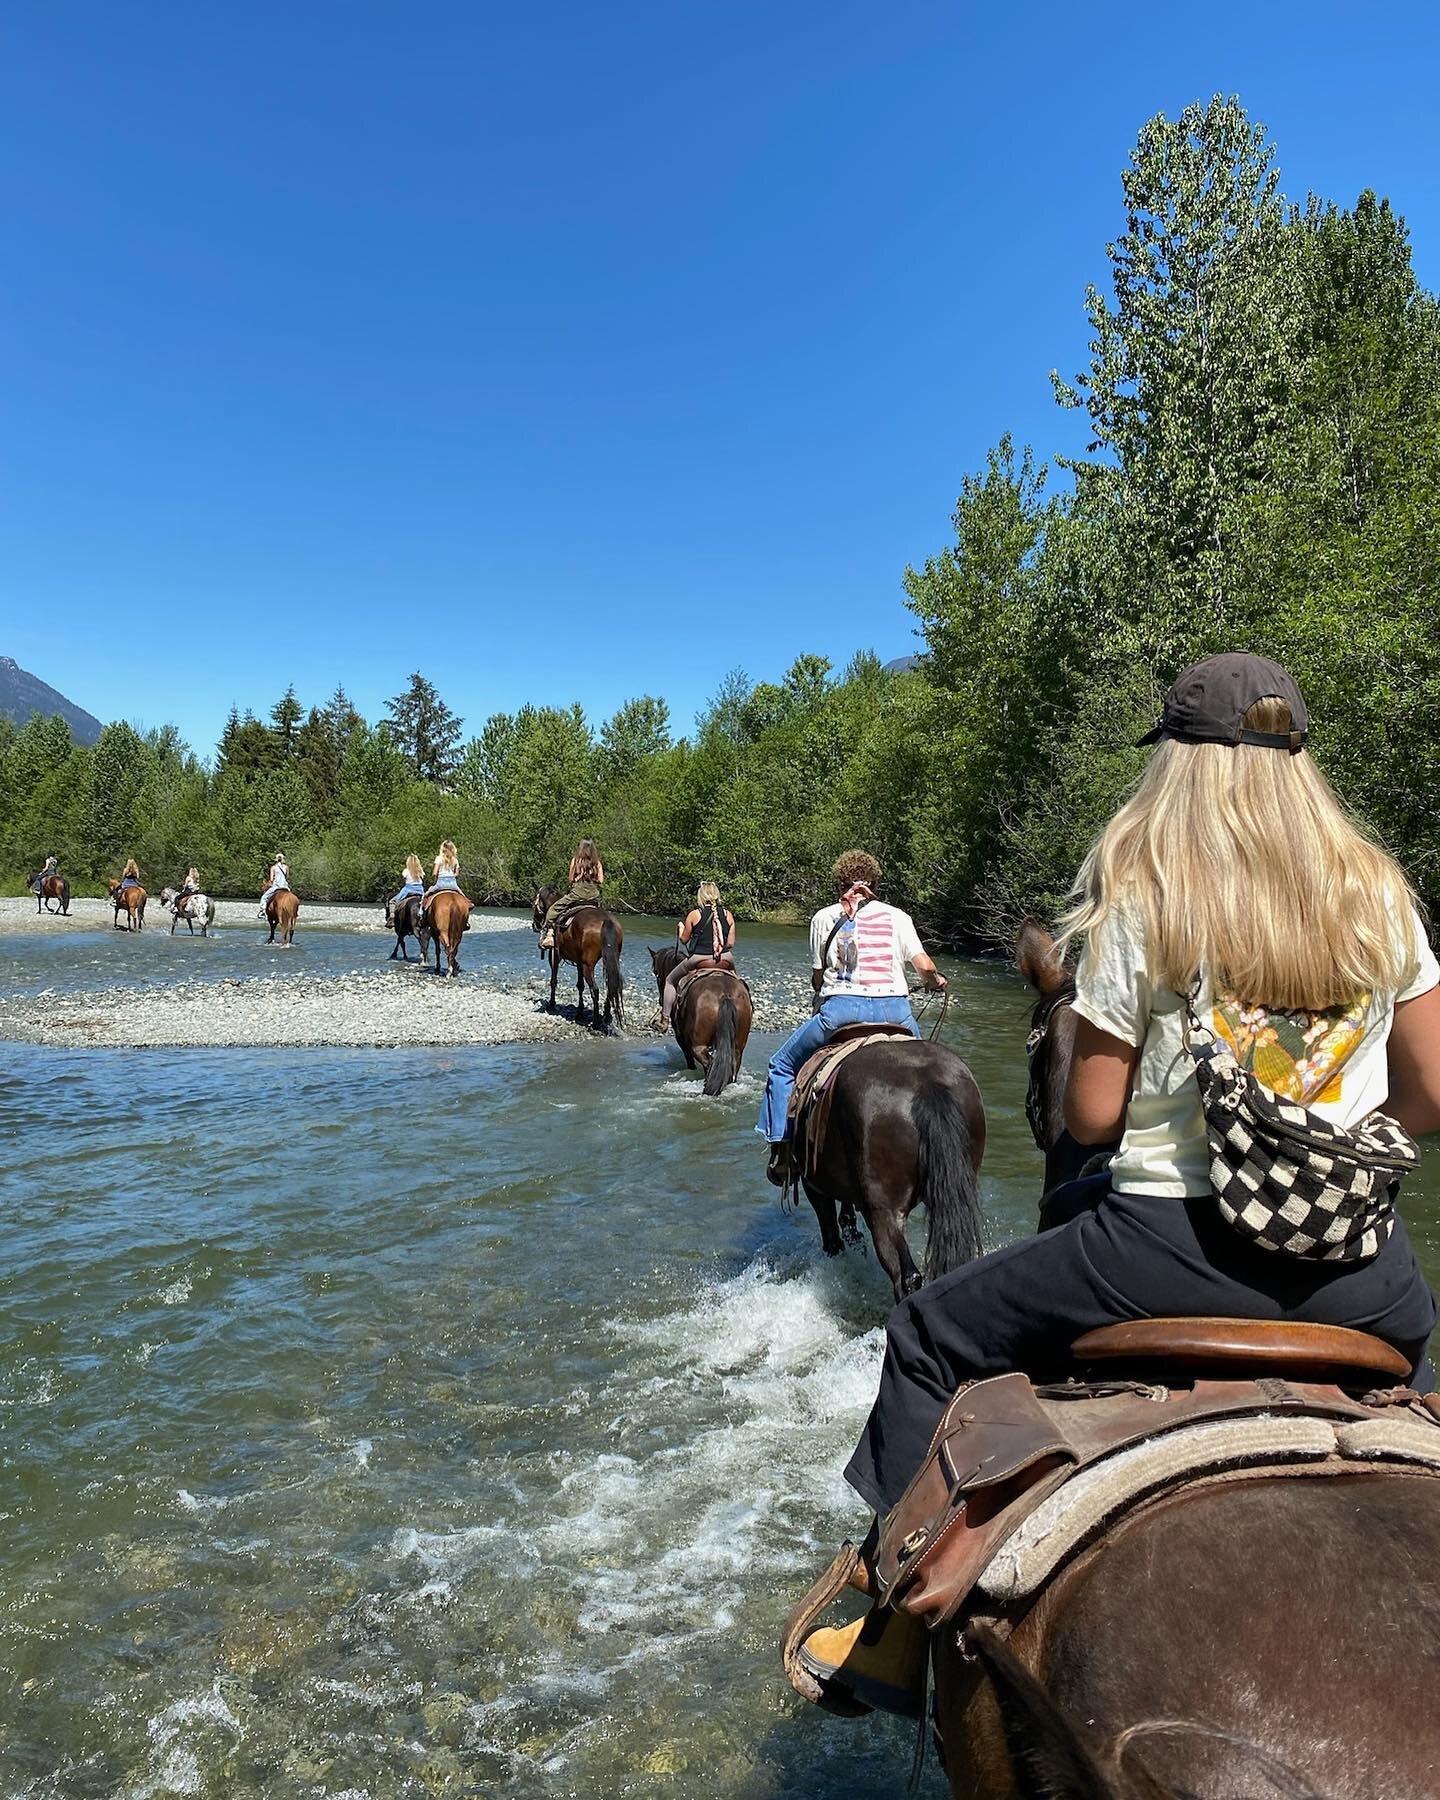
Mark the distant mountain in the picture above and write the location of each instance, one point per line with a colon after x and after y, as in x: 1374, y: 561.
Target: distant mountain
x: 22, y: 693
x: 898, y: 664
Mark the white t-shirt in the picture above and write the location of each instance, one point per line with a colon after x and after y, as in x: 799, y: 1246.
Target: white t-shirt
x: 885, y: 940
x: 1334, y: 1063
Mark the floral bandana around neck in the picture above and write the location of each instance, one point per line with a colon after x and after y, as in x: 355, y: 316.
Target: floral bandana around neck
x: 1299, y: 1055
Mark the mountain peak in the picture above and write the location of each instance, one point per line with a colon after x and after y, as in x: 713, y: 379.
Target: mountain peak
x: 22, y: 694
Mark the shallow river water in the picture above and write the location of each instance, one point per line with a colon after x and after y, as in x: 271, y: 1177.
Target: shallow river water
x: 424, y: 1422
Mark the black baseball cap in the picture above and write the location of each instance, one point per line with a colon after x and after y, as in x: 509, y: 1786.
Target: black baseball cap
x: 1207, y: 703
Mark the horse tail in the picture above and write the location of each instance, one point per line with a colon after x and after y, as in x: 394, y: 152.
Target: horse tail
x: 614, y: 981
x: 948, y: 1182
x: 721, y: 1071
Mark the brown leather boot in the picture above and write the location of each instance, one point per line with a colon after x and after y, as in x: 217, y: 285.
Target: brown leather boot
x: 877, y: 1660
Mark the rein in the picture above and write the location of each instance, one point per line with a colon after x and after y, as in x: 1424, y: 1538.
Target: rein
x: 925, y: 1005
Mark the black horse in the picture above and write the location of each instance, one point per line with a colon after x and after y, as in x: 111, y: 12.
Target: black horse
x: 409, y: 919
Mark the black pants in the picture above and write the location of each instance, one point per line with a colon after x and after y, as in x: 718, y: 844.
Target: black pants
x: 1132, y: 1256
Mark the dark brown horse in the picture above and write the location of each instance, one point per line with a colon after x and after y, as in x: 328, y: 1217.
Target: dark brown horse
x: 282, y: 910
x: 586, y: 937
x: 906, y: 1129
x: 1267, y: 1637
x: 1050, y: 1049
x: 408, y: 920
x: 711, y: 1020
x: 449, y: 920
x: 48, y: 888
x: 130, y: 901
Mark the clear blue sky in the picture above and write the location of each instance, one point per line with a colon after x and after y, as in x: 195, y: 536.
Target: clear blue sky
x: 570, y: 351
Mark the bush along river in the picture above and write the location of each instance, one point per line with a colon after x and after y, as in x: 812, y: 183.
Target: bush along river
x: 452, y: 1417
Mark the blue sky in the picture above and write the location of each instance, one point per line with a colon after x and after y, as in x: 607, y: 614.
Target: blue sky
x: 570, y: 352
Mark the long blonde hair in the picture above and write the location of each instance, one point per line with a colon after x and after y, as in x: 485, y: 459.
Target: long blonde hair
x: 131, y: 868
x: 448, y: 859
x: 707, y: 894
x: 1242, y: 860
x: 414, y: 868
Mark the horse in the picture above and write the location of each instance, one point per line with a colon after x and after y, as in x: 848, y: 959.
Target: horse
x: 711, y: 1019
x: 1050, y: 1050
x: 130, y: 901
x: 409, y: 919
x: 1264, y: 1636
x: 48, y: 888
x: 449, y: 920
x: 189, y: 907
x: 586, y: 936
x: 281, y: 910
x: 906, y: 1129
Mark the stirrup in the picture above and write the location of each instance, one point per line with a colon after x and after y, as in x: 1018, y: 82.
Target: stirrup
x: 823, y: 1594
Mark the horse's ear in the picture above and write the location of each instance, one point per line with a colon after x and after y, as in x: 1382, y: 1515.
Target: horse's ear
x: 1052, y: 1755
x: 1036, y: 959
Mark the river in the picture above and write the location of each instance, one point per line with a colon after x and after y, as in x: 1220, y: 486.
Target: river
x: 416, y: 1422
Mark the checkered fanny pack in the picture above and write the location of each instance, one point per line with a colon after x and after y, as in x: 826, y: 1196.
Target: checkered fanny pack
x: 1284, y: 1177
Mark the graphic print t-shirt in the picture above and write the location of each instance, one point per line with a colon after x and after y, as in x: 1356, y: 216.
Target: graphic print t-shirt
x: 885, y: 939
x: 1333, y: 1062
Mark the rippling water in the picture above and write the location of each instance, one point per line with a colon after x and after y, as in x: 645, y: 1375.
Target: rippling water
x: 408, y: 1423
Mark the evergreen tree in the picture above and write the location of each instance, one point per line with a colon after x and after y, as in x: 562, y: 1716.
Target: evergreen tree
x: 426, y: 729
x: 285, y: 719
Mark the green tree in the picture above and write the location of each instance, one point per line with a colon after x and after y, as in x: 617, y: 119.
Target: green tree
x: 426, y: 729
x: 285, y: 720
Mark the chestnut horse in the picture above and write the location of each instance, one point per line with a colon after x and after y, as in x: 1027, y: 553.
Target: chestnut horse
x: 1273, y: 1636
x: 587, y: 936
x: 282, y: 910
x: 130, y: 901
x: 449, y: 920
x: 48, y: 888
x: 906, y: 1129
x: 711, y: 1019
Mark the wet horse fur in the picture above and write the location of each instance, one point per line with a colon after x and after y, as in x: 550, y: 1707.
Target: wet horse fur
x: 907, y: 1128
x: 52, y: 887
x: 1267, y: 1636
x: 711, y: 1020
x: 587, y: 936
x: 130, y: 901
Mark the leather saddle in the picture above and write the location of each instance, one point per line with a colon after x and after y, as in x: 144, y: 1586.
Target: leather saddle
x: 691, y: 976
x: 1021, y: 1477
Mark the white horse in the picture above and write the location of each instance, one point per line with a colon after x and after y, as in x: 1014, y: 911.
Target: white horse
x: 194, y: 909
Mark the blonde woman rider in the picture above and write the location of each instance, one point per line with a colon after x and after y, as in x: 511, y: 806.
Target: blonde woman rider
x: 130, y: 875
x: 414, y: 882
x: 1233, y: 858
x: 445, y: 876
x: 707, y: 933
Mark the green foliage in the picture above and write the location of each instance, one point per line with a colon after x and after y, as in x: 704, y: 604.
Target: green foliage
x: 1263, y: 394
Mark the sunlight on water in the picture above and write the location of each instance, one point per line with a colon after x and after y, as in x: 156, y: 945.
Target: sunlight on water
x: 384, y: 1424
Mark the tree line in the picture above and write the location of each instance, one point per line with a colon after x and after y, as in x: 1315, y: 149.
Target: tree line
x: 1263, y: 472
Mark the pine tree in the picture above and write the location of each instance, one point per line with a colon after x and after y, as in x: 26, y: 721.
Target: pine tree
x: 285, y: 718
x: 426, y: 729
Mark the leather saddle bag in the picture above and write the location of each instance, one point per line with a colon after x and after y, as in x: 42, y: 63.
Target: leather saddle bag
x: 994, y: 1443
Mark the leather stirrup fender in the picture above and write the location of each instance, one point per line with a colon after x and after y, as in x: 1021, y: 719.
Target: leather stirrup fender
x: 994, y: 1440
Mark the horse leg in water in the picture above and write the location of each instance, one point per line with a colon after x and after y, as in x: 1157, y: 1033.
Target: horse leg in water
x: 824, y: 1204
x: 594, y: 994
x: 580, y: 987
x: 554, y: 974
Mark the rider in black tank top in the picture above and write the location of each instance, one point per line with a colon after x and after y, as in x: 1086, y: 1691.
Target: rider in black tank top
x: 708, y: 937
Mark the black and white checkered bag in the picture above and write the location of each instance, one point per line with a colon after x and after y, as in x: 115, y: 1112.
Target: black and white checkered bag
x: 1287, y: 1179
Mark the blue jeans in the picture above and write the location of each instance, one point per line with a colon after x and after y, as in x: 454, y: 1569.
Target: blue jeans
x: 838, y: 1010
x: 411, y: 890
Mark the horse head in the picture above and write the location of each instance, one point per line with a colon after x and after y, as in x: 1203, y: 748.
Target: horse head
x: 1051, y: 1049
x: 544, y: 898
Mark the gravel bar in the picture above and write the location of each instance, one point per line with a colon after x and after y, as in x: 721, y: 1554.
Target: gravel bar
x: 18, y: 918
